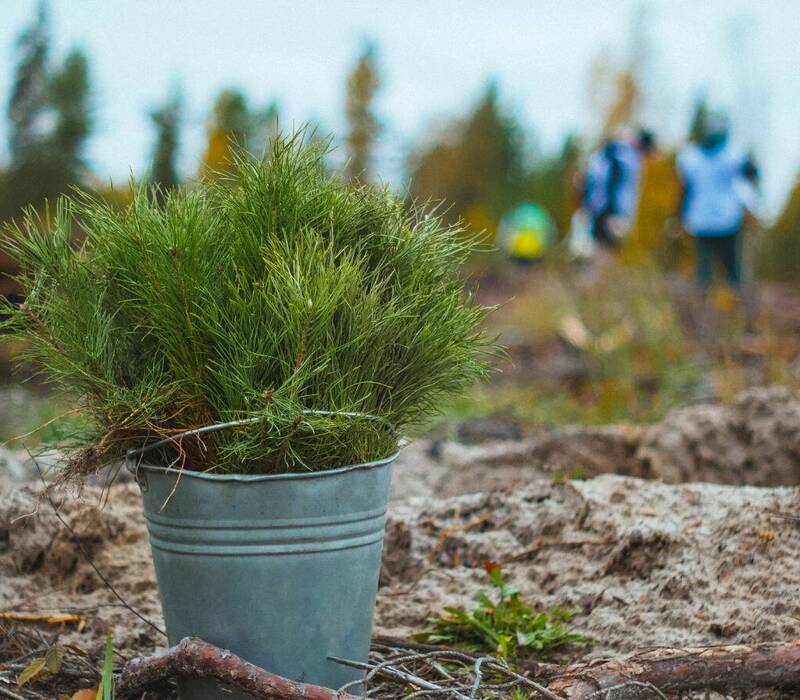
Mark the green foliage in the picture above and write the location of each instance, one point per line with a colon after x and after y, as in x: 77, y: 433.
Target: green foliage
x: 506, y: 625
x: 46, y: 154
x: 167, y: 121
x: 476, y: 162
x: 42, y: 666
x: 276, y: 291
x: 69, y: 95
x: 106, y: 689
x: 779, y: 255
x: 363, y: 126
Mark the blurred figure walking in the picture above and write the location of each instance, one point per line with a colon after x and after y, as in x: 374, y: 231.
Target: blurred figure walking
x: 718, y: 186
x: 611, y: 194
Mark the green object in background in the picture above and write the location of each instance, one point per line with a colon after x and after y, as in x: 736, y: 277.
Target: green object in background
x: 526, y: 232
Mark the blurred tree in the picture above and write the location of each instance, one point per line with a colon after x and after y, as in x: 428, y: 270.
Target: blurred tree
x: 362, y: 124
x: 614, y: 95
x: 69, y: 96
x: 551, y: 183
x: 167, y: 122
x: 49, y: 122
x: 29, y: 99
x: 477, y: 165
x: 493, y: 154
x: 622, y: 109
x: 228, y: 129
x: 779, y: 257
x: 697, y: 124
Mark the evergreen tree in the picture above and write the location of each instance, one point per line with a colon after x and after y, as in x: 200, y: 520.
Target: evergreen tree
x: 167, y: 121
x: 49, y: 122
x: 363, y: 126
x: 697, y: 125
x: 493, y: 154
x: 477, y: 165
x: 28, y: 103
x: 229, y: 128
x: 780, y: 252
x: 69, y: 96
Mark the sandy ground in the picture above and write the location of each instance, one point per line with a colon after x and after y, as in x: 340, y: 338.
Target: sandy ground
x: 645, y: 562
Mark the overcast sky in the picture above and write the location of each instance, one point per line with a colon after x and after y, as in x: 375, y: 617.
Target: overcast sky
x: 435, y: 57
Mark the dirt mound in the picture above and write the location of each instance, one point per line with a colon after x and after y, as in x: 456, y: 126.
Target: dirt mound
x: 645, y: 563
x: 43, y: 567
x: 756, y: 440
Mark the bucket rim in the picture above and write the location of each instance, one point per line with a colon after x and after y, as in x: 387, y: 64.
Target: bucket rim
x: 287, y: 476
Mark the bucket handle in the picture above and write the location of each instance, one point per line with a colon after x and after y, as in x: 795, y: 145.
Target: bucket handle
x: 136, y: 453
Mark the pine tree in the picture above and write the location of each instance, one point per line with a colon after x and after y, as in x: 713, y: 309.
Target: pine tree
x: 229, y: 128
x: 50, y: 122
x: 69, y: 96
x: 492, y: 146
x: 477, y: 165
x: 167, y: 121
x: 28, y: 103
x: 363, y: 125
x: 697, y: 125
x: 780, y: 251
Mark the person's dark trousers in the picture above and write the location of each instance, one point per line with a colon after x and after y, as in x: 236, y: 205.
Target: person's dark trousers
x: 728, y: 250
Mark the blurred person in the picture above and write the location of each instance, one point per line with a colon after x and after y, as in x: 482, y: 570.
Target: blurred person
x: 718, y: 186
x: 611, y: 193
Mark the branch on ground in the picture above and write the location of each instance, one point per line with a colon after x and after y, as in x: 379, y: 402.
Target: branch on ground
x: 721, y: 668
x: 195, y: 658
x: 646, y: 674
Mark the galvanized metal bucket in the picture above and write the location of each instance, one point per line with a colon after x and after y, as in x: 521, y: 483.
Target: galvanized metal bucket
x: 280, y: 569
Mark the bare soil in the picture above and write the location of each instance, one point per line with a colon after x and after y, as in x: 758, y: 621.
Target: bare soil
x: 645, y: 562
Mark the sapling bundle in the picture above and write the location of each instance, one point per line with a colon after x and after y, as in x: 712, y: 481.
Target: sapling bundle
x: 331, y: 315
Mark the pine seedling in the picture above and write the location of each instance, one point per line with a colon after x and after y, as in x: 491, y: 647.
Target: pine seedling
x: 276, y: 293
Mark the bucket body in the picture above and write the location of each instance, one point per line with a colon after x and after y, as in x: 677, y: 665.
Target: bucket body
x: 282, y: 569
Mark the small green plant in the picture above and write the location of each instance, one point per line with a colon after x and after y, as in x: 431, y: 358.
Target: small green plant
x: 323, y: 312
x: 561, y: 475
x: 42, y: 666
x: 106, y: 689
x: 506, y: 626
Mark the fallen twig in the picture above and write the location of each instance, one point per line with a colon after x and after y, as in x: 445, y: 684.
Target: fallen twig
x: 720, y: 668
x: 194, y: 657
x: 416, y: 671
x: 49, y: 618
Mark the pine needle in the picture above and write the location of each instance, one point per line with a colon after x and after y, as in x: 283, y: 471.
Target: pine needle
x: 274, y: 291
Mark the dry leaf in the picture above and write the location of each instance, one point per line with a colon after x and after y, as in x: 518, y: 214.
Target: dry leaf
x: 53, y: 658
x: 86, y: 694
x: 33, y: 670
x: 49, y: 618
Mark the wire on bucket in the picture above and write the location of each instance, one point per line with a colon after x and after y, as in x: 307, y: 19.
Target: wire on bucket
x: 139, y: 452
